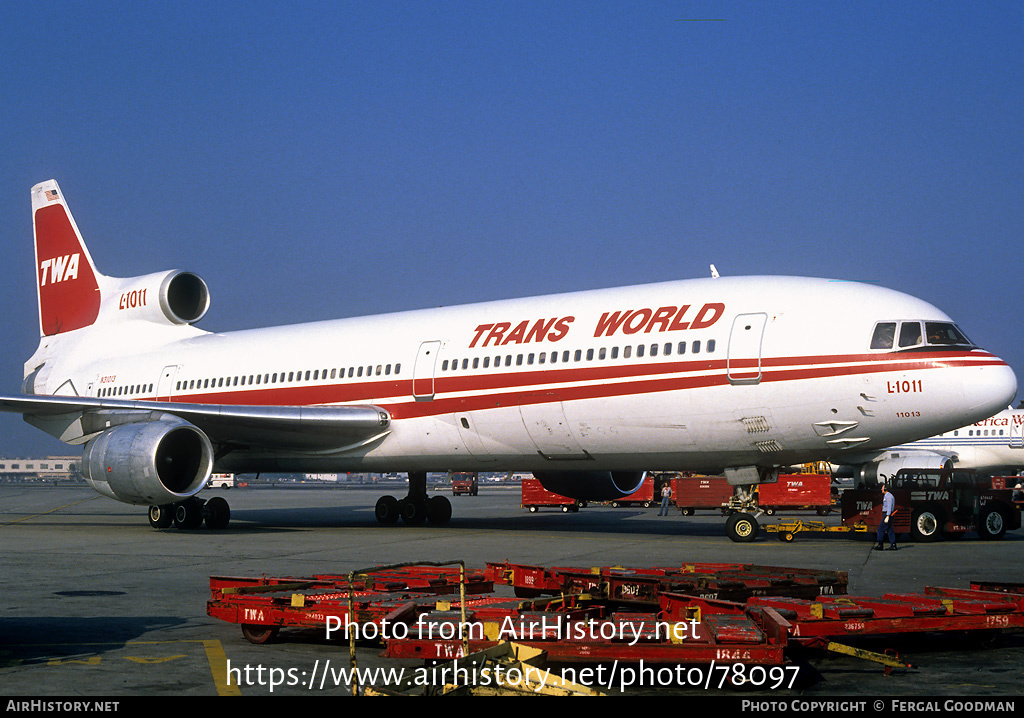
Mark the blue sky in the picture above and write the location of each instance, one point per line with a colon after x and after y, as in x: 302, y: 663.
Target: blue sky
x: 318, y: 160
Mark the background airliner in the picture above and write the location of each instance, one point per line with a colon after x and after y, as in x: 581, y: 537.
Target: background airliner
x: 992, y: 447
x: 586, y: 389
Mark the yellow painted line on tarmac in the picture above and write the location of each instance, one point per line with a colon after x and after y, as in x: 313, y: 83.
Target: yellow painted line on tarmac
x: 44, y: 513
x: 215, y: 656
x: 218, y: 661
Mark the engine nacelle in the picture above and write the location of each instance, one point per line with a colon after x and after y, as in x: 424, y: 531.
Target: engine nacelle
x: 872, y: 474
x: 173, y: 297
x: 591, y: 485
x: 149, y: 463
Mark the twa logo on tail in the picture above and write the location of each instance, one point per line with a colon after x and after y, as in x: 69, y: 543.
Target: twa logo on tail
x: 59, y: 269
x: 69, y: 291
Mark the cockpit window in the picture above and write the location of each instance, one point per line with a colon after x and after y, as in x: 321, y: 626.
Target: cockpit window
x: 884, y: 334
x: 908, y: 335
x: 945, y: 334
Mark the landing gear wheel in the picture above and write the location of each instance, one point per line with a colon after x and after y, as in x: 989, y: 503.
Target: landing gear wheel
x: 387, y: 510
x: 926, y: 525
x: 189, y: 514
x: 742, y: 527
x: 218, y: 513
x: 533, y: 509
x: 414, y: 511
x: 992, y: 525
x: 259, y: 634
x: 161, y: 517
x: 439, y: 510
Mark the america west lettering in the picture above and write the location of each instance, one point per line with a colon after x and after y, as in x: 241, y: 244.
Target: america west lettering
x: 649, y: 320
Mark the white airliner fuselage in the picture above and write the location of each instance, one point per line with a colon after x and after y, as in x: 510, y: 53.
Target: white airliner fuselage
x: 992, y: 446
x: 719, y: 374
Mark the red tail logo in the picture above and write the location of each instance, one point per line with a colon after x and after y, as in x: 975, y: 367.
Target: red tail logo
x: 69, y: 296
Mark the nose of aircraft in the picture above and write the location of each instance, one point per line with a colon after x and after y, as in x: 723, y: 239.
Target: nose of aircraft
x: 990, y: 389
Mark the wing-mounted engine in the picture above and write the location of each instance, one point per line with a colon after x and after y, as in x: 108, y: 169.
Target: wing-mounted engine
x: 592, y: 485
x: 173, y: 297
x: 871, y: 474
x: 149, y: 463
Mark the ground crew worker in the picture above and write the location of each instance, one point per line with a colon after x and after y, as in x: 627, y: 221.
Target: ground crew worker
x: 885, y: 525
x: 666, y: 495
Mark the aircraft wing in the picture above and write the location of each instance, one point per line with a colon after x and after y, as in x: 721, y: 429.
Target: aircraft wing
x: 75, y: 420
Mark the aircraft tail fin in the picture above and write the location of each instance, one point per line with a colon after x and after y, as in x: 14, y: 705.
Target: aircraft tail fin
x: 67, y: 282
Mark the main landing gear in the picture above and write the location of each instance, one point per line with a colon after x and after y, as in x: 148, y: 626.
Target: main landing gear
x: 415, y: 508
x: 191, y: 513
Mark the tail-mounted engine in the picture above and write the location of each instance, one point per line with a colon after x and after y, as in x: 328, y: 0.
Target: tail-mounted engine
x: 173, y: 297
x: 592, y: 485
x: 149, y: 463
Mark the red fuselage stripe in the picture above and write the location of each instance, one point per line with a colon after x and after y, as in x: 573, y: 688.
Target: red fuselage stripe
x: 493, y: 390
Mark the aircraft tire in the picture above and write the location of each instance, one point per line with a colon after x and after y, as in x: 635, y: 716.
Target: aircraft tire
x: 742, y: 527
x: 161, y: 517
x: 218, y: 513
x: 439, y: 510
x: 387, y: 510
x: 188, y: 514
x: 414, y: 511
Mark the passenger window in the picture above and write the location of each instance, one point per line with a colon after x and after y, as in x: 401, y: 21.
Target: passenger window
x: 696, y: 347
x: 910, y: 334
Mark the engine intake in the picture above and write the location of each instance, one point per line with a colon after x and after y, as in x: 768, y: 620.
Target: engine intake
x: 149, y: 463
x: 184, y: 297
x: 173, y: 297
x: 592, y: 485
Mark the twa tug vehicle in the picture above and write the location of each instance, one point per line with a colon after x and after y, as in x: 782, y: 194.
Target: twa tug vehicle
x: 587, y: 390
